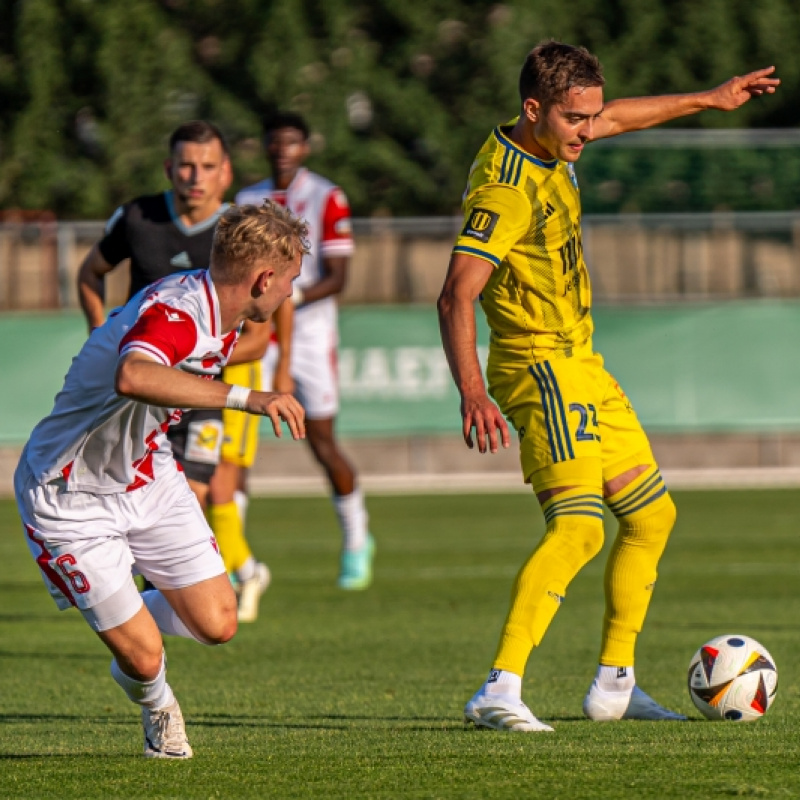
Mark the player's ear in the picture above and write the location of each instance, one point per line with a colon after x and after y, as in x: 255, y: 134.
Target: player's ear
x: 168, y: 168
x: 532, y: 109
x: 263, y: 280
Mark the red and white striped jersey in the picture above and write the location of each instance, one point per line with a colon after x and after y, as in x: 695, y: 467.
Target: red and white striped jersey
x: 324, y: 207
x: 94, y: 439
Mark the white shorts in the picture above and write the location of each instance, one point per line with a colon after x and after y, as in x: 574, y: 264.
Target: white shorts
x: 315, y: 373
x: 86, y: 544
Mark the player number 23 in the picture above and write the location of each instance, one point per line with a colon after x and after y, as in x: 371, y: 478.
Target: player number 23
x: 587, y: 419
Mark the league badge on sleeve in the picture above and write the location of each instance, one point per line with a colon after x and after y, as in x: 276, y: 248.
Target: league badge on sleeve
x: 481, y: 224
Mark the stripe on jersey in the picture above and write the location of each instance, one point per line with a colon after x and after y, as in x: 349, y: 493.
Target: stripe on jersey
x: 473, y: 251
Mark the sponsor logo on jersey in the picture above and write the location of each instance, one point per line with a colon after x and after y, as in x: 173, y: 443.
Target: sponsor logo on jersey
x: 481, y: 224
x: 181, y: 261
x: 549, y: 210
x: 173, y: 316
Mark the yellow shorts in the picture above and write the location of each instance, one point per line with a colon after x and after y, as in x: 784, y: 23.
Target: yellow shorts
x: 240, y: 429
x: 575, y: 425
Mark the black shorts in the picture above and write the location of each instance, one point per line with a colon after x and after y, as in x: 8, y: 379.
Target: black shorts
x: 196, y: 443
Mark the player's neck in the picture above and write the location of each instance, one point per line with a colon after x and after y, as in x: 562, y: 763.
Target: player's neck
x: 192, y: 216
x: 522, y: 135
x: 283, y: 180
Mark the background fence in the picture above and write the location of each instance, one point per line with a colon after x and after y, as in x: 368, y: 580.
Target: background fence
x: 641, y: 258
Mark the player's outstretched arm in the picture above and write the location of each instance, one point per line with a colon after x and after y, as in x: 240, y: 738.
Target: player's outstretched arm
x: 636, y: 113
x: 147, y: 381
x: 466, y: 277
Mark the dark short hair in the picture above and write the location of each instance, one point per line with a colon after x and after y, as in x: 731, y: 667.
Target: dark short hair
x: 553, y: 68
x: 284, y: 119
x: 198, y: 131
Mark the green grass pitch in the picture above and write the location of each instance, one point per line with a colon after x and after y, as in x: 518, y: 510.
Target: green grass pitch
x: 360, y: 695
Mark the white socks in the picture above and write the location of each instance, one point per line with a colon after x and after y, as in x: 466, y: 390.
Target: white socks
x: 167, y: 620
x: 152, y: 694
x: 353, y: 519
x: 501, y: 681
x: 615, y: 679
x: 242, y: 501
x: 247, y: 570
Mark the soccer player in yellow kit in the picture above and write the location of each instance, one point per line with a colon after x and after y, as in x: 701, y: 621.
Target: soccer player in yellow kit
x: 581, y: 444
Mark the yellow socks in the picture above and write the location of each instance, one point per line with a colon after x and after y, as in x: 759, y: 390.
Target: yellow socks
x: 646, y: 515
x: 573, y: 537
x: 229, y: 531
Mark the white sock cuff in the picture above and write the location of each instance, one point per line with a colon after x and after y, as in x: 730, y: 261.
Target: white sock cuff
x: 153, y: 694
x: 501, y: 681
x: 615, y: 679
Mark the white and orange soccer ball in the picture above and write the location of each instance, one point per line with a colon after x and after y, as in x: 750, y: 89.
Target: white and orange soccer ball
x: 733, y: 677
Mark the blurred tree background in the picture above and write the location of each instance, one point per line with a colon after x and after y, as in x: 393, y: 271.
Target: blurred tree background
x: 399, y: 95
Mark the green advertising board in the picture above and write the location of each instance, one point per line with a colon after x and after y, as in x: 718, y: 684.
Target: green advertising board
x: 690, y: 368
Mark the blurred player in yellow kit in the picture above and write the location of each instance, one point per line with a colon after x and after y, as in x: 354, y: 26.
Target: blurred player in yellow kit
x: 228, y: 491
x: 581, y: 444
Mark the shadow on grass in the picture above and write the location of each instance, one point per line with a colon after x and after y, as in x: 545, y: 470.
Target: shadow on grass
x: 760, y: 625
x: 49, y: 656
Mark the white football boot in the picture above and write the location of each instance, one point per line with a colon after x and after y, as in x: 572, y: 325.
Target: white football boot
x: 165, y: 733
x: 603, y: 706
x: 501, y: 712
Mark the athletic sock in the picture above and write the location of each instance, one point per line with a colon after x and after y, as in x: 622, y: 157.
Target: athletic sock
x: 164, y: 615
x: 242, y: 502
x: 353, y: 519
x: 615, y: 679
x: 247, y: 570
x: 227, y: 526
x: 501, y: 681
x: 574, y: 535
x: 152, y: 694
x: 646, y: 515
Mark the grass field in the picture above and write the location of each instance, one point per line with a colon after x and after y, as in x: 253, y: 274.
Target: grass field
x: 355, y: 695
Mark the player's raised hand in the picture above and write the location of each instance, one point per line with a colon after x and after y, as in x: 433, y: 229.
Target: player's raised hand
x: 279, y: 407
x: 737, y: 91
x: 484, y: 416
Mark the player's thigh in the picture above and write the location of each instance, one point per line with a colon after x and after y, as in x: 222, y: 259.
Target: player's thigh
x: 240, y: 439
x: 196, y: 443
x: 170, y: 540
x: 553, y: 406
x: 315, y: 373
x: 626, y: 447
x: 77, y: 539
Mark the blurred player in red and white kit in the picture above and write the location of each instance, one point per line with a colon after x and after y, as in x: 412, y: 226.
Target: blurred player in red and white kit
x: 324, y: 208
x: 98, y: 489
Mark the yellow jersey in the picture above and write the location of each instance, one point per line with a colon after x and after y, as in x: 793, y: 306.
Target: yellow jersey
x: 523, y: 215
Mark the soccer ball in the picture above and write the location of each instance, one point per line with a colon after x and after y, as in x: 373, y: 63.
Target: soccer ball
x: 733, y: 677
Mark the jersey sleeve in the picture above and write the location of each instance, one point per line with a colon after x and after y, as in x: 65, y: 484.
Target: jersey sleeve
x: 337, y: 233
x: 496, y: 216
x: 168, y: 335
x: 114, y: 246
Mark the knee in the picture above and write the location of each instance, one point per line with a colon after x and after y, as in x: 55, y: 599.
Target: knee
x: 219, y: 627
x: 142, y: 663
x: 579, y: 538
x: 653, y: 523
